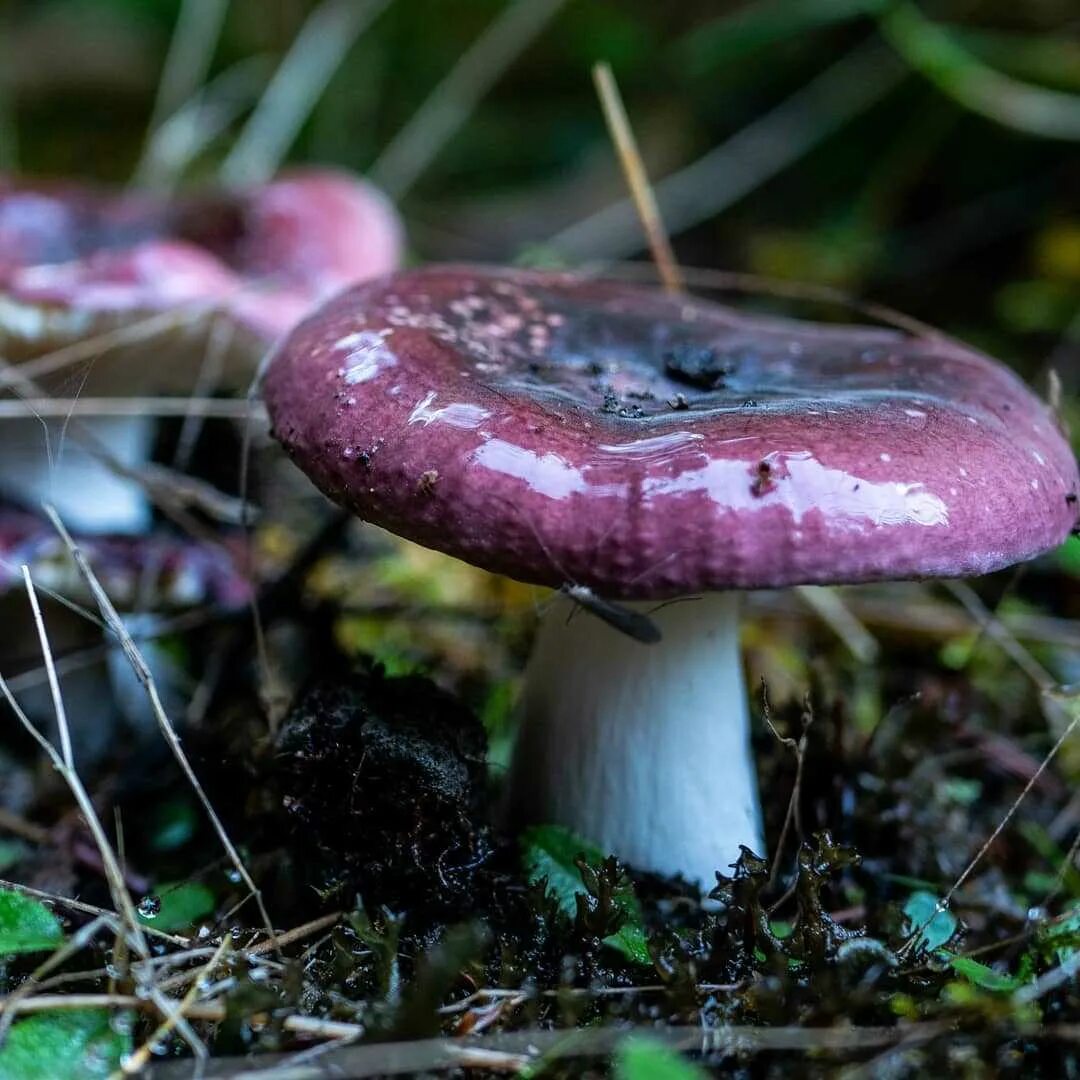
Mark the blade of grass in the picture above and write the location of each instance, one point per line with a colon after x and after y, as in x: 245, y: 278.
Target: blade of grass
x: 932, y: 51
x: 191, y: 49
x: 320, y: 47
x: 187, y: 132
x: 453, y: 100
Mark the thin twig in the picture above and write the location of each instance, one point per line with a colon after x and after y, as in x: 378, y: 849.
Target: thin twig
x: 994, y: 629
x: 92, y: 347
x: 137, y: 1061
x: 622, y: 135
x: 793, y: 815
x: 113, y: 875
x: 944, y: 902
x: 87, y: 909
x: 203, y: 408
x: 262, y: 653
x: 709, y: 279
x: 278, y: 944
x: 66, y: 751
x: 747, y: 159
x: 207, y: 380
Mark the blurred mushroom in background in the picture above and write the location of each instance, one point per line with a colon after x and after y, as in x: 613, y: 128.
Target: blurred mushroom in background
x: 109, y: 299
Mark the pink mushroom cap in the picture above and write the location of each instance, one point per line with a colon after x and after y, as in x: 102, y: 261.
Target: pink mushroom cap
x: 558, y: 429
x: 265, y: 255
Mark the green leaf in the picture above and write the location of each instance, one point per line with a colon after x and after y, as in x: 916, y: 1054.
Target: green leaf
x: 984, y: 976
x: 75, y: 1044
x: 1050, y: 851
x: 755, y: 27
x: 172, y: 825
x: 26, y: 925
x: 631, y: 941
x: 644, y: 1059
x: 934, y: 927
x: 1069, y: 556
x: 549, y: 851
x: 11, y: 852
x: 176, y: 906
x: 1060, y: 938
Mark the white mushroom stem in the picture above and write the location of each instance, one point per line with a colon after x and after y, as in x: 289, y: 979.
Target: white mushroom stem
x: 643, y: 749
x: 88, y: 495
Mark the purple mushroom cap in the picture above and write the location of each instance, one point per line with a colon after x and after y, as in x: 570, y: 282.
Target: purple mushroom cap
x: 266, y: 254
x: 559, y: 429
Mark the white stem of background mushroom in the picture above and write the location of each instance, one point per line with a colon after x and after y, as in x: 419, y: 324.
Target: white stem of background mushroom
x: 40, y: 464
x: 643, y: 749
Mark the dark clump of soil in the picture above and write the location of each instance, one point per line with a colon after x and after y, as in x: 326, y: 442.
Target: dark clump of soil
x: 383, y: 784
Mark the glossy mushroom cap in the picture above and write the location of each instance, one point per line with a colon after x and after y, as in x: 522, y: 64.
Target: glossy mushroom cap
x: 75, y: 262
x: 558, y: 429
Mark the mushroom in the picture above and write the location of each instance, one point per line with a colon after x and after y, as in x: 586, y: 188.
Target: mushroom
x: 77, y: 263
x: 664, y: 453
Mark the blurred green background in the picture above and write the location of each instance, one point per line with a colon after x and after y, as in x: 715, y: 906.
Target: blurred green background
x: 925, y: 156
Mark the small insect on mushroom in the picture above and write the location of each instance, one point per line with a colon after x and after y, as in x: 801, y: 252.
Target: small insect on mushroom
x: 763, y: 481
x: 428, y: 479
x: 634, y: 624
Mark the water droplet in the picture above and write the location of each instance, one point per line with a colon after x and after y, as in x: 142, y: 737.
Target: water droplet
x: 123, y: 1023
x: 150, y: 907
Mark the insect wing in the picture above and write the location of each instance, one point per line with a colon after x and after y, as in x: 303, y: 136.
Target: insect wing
x: 634, y: 624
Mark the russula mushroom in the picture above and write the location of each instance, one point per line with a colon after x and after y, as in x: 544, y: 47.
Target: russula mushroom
x: 657, y: 448
x: 172, y: 575
x: 77, y: 263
